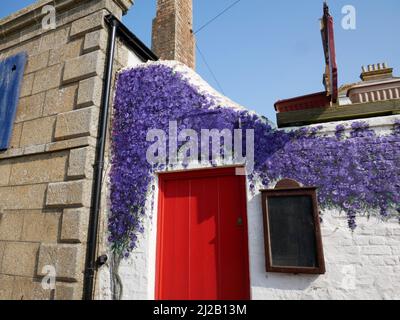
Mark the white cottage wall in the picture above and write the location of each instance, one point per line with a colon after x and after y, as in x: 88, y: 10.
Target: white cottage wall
x: 363, y: 264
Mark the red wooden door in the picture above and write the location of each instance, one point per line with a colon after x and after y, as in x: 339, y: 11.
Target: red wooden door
x: 202, y: 251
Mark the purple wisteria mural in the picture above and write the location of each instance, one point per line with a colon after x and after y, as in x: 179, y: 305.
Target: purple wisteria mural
x: 357, y: 173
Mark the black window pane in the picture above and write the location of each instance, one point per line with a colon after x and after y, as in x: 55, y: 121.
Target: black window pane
x: 292, y: 231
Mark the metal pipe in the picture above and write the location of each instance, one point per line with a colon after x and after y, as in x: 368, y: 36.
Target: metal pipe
x: 131, y: 41
x: 98, y: 168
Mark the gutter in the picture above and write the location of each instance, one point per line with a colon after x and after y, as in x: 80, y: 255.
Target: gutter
x: 116, y: 29
x: 130, y: 40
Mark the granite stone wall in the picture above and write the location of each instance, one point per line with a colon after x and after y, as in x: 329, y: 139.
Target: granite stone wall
x: 46, y: 174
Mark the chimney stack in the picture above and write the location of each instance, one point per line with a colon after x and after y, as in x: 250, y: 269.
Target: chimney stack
x: 173, y: 37
x: 378, y: 71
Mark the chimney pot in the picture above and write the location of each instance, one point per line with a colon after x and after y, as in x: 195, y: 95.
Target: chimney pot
x: 376, y: 72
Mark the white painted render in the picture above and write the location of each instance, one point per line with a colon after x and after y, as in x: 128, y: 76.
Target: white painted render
x: 133, y: 59
x: 363, y: 264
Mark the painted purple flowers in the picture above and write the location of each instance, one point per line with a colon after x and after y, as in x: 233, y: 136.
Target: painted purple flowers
x: 357, y: 174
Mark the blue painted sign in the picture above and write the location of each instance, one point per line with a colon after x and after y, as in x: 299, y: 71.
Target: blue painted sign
x: 11, y: 74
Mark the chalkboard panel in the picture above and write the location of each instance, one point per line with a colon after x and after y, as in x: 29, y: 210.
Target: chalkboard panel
x: 293, y: 241
x: 11, y: 74
x: 292, y: 228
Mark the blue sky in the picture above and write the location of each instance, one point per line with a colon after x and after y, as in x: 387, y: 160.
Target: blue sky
x: 262, y: 51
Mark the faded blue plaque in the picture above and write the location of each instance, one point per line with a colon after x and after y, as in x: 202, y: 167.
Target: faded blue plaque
x: 11, y: 74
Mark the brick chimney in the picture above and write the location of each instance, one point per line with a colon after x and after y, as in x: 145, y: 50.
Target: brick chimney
x: 173, y: 37
x: 378, y: 71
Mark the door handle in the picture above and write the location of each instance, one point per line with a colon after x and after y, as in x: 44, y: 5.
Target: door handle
x: 239, y: 222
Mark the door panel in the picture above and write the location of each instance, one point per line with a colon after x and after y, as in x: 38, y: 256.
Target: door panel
x: 233, y: 235
x: 203, y: 239
x: 175, y: 245
x: 202, y: 249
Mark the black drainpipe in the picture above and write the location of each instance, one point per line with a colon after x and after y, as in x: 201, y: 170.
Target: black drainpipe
x: 116, y: 29
x: 98, y: 170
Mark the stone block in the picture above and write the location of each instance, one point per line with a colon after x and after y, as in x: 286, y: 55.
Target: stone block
x: 11, y: 226
x: 361, y: 240
x: 396, y: 250
x: 376, y: 261
x: 124, y: 4
x: 67, y: 52
x: 75, y: 225
x: 29, y: 33
x: 90, y: 92
x: 29, y: 289
x: 70, y: 144
x: 30, y: 47
x: 39, y: 169
x: 5, y: 170
x: 23, y: 197
x: 60, y: 100
x: 48, y: 78
x: 96, y: 40
x: 2, y: 247
x: 27, y: 85
x: 86, y: 66
x: 69, y: 194
x: 12, y: 153
x: 29, y: 150
x: 81, y: 163
x: 41, y: 226
x: 39, y: 131
x: 16, y: 136
x: 30, y: 107
x: 77, y: 123
x: 385, y: 231
x: 391, y: 261
x: 54, y: 39
x: 20, y: 259
x: 392, y: 241
x: 6, y: 287
x: 377, y: 240
x: 67, y: 260
x: 376, y: 250
x: 396, y: 232
x: 37, y: 62
x: 87, y: 24
x: 68, y: 291
x: 366, y: 230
